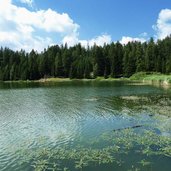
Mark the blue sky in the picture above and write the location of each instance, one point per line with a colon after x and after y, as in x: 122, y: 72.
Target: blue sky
x: 46, y: 22
x: 115, y: 17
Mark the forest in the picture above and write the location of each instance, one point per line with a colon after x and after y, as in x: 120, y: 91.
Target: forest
x: 112, y: 60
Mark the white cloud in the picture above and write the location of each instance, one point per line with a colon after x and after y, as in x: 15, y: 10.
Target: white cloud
x: 99, y: 40
x: 163, y: 26
x: 71, y: 39
x: 48, y: 20
x: 28, y: 2
x: 144, y: 34
x: 19, y: 27
x: 125, y: 39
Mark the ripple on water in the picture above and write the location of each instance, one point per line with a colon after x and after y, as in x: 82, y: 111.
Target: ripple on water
x: 50, y: 117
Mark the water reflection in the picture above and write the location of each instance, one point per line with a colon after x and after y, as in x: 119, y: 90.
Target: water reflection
x: 35, y: 116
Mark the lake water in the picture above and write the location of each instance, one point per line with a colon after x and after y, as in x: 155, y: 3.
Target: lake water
x: 91, y: 126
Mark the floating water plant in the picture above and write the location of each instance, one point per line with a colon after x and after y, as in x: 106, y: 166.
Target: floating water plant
x: 113, y: 147
x: 145, y: 163
x: 121, y: 143
x: 80, y: 164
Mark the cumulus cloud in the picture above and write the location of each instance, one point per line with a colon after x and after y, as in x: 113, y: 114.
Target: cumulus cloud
x: 163, y: 26
x: 99, y: 40
x: 19, y: 27
x: 126, y: 40
x: 28, y: 2
x: 71, y: 39
x: 144, y: 34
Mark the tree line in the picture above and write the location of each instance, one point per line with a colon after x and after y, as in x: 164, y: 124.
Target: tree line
x: 112, y: 60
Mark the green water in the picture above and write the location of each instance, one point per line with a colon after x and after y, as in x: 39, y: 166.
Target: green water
x: 91, y: 126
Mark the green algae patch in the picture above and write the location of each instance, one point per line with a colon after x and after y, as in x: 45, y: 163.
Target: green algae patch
x: 117, y: 146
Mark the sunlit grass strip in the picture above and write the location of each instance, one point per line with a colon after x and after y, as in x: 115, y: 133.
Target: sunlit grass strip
x: 143, y: 76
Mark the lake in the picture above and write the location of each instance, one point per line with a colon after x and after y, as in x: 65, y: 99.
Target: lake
x: 90, y: 126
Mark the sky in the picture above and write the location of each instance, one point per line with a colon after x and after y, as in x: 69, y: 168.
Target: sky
x: 37, y: 24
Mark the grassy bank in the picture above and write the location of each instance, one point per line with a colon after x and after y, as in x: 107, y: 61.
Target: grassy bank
x: 152, y: 77
x: 99, y: 79
x: 44, y: 80
x: 141, y: 76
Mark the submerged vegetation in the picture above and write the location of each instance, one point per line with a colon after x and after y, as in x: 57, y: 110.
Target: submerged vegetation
x: 118, y: 145
x: 146, y: 142
x: 155, y: 104
x: 110, y: 61
x: 134, y: 129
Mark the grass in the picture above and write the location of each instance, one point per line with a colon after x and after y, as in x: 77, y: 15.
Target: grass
x: 53, y: 80
x: 85, y: 79
x: 155, y: 77
x: 140, y: 76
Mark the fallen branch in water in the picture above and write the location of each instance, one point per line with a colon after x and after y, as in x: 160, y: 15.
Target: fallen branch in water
x: 131, y: 127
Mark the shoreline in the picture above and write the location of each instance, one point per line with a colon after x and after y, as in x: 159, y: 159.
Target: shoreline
x: 46, y: 80
x: 150, y: 79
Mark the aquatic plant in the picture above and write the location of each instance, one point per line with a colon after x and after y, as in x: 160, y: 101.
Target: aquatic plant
x: 110, y: 148
x: 80, y: 164
x: 133, y: 168
x: 40, y: 165
x: 144, y: 162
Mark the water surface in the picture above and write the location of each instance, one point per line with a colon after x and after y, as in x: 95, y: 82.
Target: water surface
x: 119, y: 125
